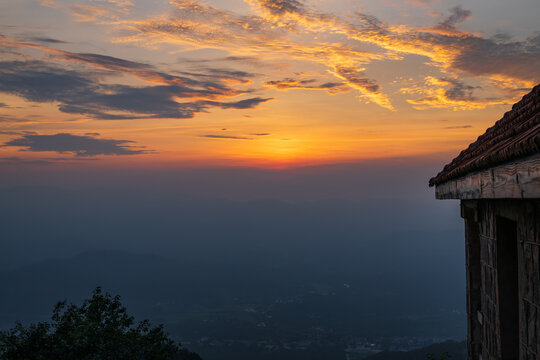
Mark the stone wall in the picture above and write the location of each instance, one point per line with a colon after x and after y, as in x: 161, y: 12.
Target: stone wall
x: 485, y: 276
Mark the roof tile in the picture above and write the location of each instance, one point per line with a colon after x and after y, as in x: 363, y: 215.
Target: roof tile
x: 514, y: 136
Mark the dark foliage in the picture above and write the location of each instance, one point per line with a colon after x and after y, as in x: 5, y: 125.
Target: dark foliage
x: 98, y: 329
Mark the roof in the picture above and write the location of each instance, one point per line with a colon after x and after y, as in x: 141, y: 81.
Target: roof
x: 514, y: 136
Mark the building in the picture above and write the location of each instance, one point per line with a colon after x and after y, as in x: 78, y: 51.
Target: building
x: 497, y: 179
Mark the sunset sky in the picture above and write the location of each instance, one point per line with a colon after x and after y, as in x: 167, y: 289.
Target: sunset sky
x: 258, y: 83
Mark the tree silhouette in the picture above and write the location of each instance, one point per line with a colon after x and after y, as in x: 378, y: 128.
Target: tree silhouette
x: 99, y: 329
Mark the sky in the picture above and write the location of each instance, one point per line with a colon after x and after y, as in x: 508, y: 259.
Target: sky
x: 271, y: 84
x: 296, y: 132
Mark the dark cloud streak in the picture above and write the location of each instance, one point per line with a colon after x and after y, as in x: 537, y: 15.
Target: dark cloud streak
x: 456, y: 17
x: 231, y: 137
x: 79, y: 145
x: 242, y: 104
x: 108, y: 62
x: 457, y: 127
x: 307, y: 84
x: 46, y: 40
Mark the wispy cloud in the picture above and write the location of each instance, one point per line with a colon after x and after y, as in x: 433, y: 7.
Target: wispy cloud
x: 105, y: 9
x: 293, y: 30
x: 199, y: 24
x: 423, y: 3
x: 50, y: 3
x: 289, y: 27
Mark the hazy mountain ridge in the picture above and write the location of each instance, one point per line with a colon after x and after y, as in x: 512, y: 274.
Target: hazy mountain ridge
x: 166, y: 289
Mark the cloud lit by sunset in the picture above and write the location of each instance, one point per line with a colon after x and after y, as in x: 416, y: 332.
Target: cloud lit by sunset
x: 264, y: 83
